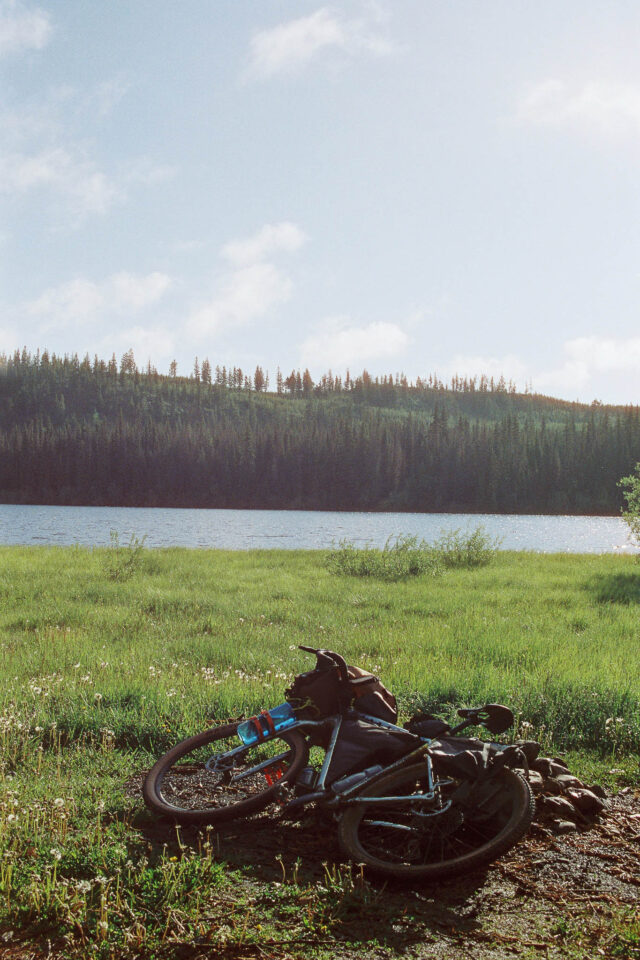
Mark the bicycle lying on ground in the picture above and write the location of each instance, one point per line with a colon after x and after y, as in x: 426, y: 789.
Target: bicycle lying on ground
x: 417, y: 802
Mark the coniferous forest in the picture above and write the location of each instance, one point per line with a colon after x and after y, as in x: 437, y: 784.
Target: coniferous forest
x: 82, y: 431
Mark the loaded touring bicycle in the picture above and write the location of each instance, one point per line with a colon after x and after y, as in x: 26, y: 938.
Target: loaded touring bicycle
x: 418, y: 801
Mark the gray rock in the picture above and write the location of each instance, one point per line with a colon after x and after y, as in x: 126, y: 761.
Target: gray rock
x: 559, y: 769
x: 530, y: 748
x: 548, y: 767
x: 536, y: 780
x: 542, y: 765
x: 586, y: 801
x: 563, y: 826
x: 567, y: 780
x: 599, y: 791
x: 561, y: 806
x: 551, y: 785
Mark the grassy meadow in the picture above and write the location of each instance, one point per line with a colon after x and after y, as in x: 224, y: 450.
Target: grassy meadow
x: 107, y: 659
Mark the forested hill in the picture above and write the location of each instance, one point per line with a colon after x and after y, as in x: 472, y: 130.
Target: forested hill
x: 88, y: 432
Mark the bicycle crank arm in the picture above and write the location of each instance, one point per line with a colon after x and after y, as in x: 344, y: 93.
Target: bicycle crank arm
x: 298, y: 802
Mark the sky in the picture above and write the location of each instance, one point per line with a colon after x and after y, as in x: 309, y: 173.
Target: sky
x: 415, y: 186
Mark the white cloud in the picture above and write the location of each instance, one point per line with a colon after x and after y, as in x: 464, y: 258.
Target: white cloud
x: 589, y: 360
x: 75, y: 182
x: 8, y: 339
x: 509, y: 366
x: 253, y: 285
x: 145, y: 171
x: 85, y: 188
x: 605, y: 108
x: 290, y: 46
x: 340, y: 345
x: 109, y: 94
x: 154, y: 343
x: 22, y: 28
x: 606, y: 353
x: 84, y: 302
x: 37, y: 156
x: 132, y: 292
x: 249, y: 293
x: 607, y: 367
x: 271, y: 239
x: 72, y: 302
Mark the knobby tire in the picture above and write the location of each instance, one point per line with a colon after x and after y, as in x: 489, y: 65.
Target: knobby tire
x: 362, y: 840
x: 190, y: 794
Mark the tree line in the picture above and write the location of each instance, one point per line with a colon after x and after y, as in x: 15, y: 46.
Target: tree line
x: 77, y: 431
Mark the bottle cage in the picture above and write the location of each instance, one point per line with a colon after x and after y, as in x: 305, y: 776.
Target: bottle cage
x: 256, y: 721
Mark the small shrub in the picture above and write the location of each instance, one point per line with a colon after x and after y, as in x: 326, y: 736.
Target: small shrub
x: 399, y: 559
x: 474, y: 548
x: 122, y: 560
x: 631, y: 516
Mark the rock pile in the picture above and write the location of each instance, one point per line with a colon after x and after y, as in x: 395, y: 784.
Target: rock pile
x: 564, y: 803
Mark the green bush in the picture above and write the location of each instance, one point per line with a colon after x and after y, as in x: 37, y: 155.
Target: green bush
x: 121, y: 560
x: 399, y: 559
x: 631, y: 516
x: 473, y: 548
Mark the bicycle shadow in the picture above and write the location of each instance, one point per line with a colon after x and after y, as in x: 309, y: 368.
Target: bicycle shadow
x: 303, y: 861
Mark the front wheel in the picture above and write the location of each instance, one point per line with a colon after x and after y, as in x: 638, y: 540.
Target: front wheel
x: 213, y: 777
x: 417, y: 842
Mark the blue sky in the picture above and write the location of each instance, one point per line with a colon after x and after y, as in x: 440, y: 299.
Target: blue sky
x: 412, y: 186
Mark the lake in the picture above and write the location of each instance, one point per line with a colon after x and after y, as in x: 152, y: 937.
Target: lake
x: 297, y: 529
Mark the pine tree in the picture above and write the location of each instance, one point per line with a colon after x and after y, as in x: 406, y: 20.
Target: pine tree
x: 307, y: 384
x: 128, y: 363
x: 258, y: 380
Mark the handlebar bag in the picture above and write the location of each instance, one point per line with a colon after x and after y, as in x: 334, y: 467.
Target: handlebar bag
x: 316, y: 694
x: 320, y: 693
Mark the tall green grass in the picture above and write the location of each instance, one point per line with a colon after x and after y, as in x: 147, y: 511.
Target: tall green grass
x: 405, y: 556
x: 102, y: 673
x: 195, y: 637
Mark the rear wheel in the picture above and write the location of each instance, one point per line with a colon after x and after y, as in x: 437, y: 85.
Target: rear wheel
x: 212, y: 777
x: 417, y: 842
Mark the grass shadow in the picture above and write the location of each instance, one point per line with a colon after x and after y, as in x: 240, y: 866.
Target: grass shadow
x: 285, y: 863
x: 623, y: 588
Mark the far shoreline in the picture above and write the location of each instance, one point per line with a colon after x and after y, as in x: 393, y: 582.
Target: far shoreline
x: 448, y: 511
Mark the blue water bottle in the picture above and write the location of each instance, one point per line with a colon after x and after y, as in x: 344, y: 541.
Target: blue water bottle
x: 266, y: 723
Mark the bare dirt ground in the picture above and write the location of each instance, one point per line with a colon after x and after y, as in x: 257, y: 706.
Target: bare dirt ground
x: 551, y: 896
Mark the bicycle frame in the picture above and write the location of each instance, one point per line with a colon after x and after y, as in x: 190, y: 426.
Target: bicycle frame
x: 351, y: 795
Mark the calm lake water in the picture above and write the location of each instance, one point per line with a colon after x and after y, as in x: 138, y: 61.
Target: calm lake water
x: 293, y: 529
